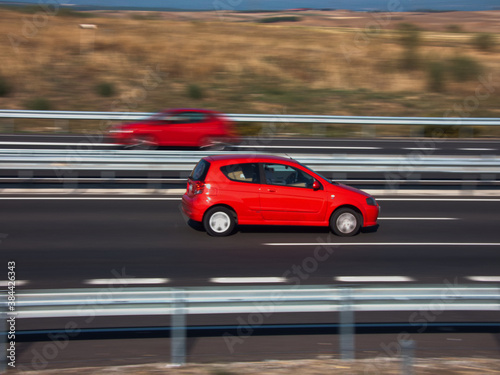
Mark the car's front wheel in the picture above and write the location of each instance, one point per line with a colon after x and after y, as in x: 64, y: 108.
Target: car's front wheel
x: 219, y: 221
x: 345, y: 222
x: 213, y: 144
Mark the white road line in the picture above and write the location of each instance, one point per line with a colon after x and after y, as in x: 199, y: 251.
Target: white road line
x: 315, y: 147
x: 485, y: 279
x: 127, y: 281
x: 476, y: 149
x: 247, y: 280
x: 421, y: 148
x: 86, y: 144
x: 374, y: 279
x: 418, y: 218
x: 381, y: 244
x: 4, y: 283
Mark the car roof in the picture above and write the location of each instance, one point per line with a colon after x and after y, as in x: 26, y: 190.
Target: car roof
x: 249, y: 158
x: 188, y: 110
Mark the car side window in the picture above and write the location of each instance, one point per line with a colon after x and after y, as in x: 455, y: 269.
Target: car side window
x: 245, y: 172
x: 188, y: 117
x: 285, y: 175
x: 196, y: 117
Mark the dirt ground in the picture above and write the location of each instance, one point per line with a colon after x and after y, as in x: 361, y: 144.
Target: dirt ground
x: 463, y: 366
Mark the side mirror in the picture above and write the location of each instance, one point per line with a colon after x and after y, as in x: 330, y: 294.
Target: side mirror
x: 316, y: 185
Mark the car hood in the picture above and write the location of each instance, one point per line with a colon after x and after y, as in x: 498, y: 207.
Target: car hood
x: 353, y: 189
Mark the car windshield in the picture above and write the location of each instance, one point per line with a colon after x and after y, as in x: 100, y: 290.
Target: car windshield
x: 161, y: 116
x: 319, y: 174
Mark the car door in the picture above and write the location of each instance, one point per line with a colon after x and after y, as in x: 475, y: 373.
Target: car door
x: 241, y: 191
x: 287, y: 195
x: 176, y: 129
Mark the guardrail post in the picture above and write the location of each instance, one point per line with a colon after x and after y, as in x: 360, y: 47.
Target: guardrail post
x: 178, y: 330
x: 407, y: 355
x: 346, y: 329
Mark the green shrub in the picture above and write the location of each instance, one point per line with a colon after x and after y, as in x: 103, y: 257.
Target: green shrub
x: 464, y: 68
x: 5, y: 87
x: 484, y: 42
x: 38, y: 104
x: 105, y: 89
x: 68, y: 12
x: 436, y: 131
x: 29, y: 9
x: 280, y: 19
x: 454, y: 28
x: 436, y: 76
x: 145, y: 17
x: 409, y: 36
x: 195, y: 92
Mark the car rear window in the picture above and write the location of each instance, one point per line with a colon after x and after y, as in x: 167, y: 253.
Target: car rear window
x: 245, y: 172
x: 199, y: 172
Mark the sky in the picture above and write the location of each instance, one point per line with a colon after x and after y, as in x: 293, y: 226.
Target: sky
x: 404, y: 5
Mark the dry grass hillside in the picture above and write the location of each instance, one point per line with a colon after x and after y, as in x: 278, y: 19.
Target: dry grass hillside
x: 314, y: 63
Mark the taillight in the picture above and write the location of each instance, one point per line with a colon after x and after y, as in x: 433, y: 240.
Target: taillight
x: 196, y: 187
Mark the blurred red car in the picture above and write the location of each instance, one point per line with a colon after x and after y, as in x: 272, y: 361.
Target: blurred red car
x: 177, y: 127
x: 226, y: 190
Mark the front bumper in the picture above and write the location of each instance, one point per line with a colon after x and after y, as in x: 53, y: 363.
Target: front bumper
x: 371, y: 216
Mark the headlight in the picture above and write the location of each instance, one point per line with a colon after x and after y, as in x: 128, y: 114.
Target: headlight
x: 371, y: 201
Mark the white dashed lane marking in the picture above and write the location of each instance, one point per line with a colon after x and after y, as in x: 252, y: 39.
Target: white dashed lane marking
x: 374, y: 279
x: 247, y: 280
x: 127, y: 281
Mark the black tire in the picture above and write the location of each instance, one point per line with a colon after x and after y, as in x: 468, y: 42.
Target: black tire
x: 144, y: 142
x: 213, y: 144
x: 345, y: 222
x: 219, y: 221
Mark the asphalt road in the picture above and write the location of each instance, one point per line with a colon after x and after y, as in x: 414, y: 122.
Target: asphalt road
x: 437, y: 146
x: 66, y: 242
x: 76, y: 242
x: 85, y: 241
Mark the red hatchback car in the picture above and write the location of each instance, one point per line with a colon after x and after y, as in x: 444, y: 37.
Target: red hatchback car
x: 226, y: 190
x: 177, y: 127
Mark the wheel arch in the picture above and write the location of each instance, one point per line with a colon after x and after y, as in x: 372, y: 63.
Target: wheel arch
x: 221, y: 205
x: 352, y: 207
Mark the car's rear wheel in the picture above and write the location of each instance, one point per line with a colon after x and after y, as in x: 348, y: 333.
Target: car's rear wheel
x: 144, y: 142
x: 345, y: 222
x: 213, y: 144
x: 219, y: 221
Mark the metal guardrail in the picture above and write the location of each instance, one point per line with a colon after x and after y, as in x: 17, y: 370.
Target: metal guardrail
x: 184, y: 161
x: 272, y: 118
x: 235, y: 300
x: 179, y: 302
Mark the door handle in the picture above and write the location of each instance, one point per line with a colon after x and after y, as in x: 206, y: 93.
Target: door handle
x: 271, y: 190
